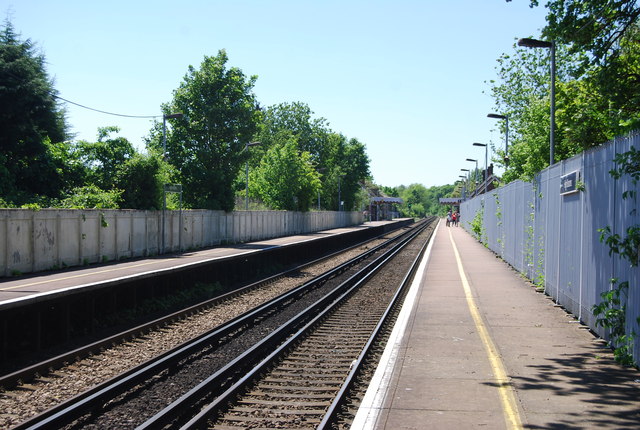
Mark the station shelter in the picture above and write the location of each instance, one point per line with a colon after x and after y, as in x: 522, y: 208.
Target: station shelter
x: 383, y: 208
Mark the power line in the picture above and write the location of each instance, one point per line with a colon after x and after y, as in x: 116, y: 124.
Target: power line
x: 105, y: 112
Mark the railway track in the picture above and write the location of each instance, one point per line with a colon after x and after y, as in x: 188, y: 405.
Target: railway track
x: 26, y: 374
x: 132, y: 399
x: 311, y: 381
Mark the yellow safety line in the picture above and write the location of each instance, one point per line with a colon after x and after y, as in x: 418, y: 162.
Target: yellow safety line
x: 507, y: 396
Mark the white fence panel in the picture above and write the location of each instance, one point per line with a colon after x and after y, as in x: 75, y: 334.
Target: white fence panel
x: 51, y: 238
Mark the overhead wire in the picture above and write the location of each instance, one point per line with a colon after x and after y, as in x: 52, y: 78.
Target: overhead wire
x: 102, y: 111
x: 54, y: 95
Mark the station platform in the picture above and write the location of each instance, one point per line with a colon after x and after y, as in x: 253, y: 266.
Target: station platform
x: 476, y: 346
x: 40, y: 286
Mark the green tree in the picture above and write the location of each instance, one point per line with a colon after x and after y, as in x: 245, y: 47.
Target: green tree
x: 346, y: 167
x: 286, y: 178
x: 91, y: 197
x: 342, y: 163
x: 591, y: 26
x: 141, y: 179
x: 297, y: 119
x: 206, y: 145
x: 31, y: 122
x: 419, y: 201
x: 598, y: 59
x: 103, y: 159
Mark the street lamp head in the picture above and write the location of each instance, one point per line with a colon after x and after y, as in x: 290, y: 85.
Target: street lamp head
x: 496, y: 116
x: 534, y: 43
x: 472, y: 160
x: 465, y: 170
x: 254, y: 143
x: 479, y: 144
x: 173, y: 115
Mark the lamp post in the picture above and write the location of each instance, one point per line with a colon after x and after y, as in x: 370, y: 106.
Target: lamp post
x: 246, y: 171
x: 534, y: 43
x: 175, y: 115
x: 464, y: 186
x: 320, y: 170
x: 468, y: 175
x: 486, y: 165
x: 164, y: 129
x: 475, y: 175
x: 340, y: 192
x: 506, y: 135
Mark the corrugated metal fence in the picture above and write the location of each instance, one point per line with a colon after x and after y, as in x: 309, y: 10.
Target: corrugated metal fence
x: 553, y: 238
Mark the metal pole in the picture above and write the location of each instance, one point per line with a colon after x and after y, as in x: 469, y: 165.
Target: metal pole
x: 339, y: 196
x: 164, y: 136
x: 164, y: 210
x: 506, y: 142
x: 246, y: 187
x: 553, y: 104
x: 486, y: 167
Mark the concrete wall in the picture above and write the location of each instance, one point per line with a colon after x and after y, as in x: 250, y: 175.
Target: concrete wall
x: 553, y: 238
x: 32, y: 241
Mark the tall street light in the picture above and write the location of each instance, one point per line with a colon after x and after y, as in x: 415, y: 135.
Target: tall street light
x: 340, y: 192
x: 464, y: 186
x: 165, y: 117
x: 246, y: 170
x: 506, y: 135
x: 468, y: 175
x: 320, y: 170
x: 164, y: 129
x: 534, y: 43
x: 486, y: 166
x: 475, y: 175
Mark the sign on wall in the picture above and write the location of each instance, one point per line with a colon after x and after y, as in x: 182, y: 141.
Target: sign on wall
x: 569, y: 183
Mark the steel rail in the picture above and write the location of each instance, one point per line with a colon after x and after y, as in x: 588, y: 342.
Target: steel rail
x: 341, y: 399
x: 22, y: 375
x: 89, y: 400
x: 321, y: 308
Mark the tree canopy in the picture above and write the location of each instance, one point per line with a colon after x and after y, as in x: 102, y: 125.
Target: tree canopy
x: 33, y: 126
x: 597, y: 64
x: 286, y: 178
x: 206, y: 145
x: 342, y: 163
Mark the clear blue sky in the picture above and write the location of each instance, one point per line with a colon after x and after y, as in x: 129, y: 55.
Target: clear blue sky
x: 406, y: 78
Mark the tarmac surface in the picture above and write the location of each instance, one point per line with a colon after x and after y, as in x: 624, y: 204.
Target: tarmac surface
x: 476, y: 346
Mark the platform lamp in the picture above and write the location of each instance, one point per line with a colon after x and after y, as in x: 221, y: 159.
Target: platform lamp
x: 246, y: 170
x: 475, y: 175
x: 506, y: 135
x: 534, y: 43
x: 165, y: 117
x: 468, y: 175
x: 464, y: 186
x: 486, y: 165
x: 340, y: 192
